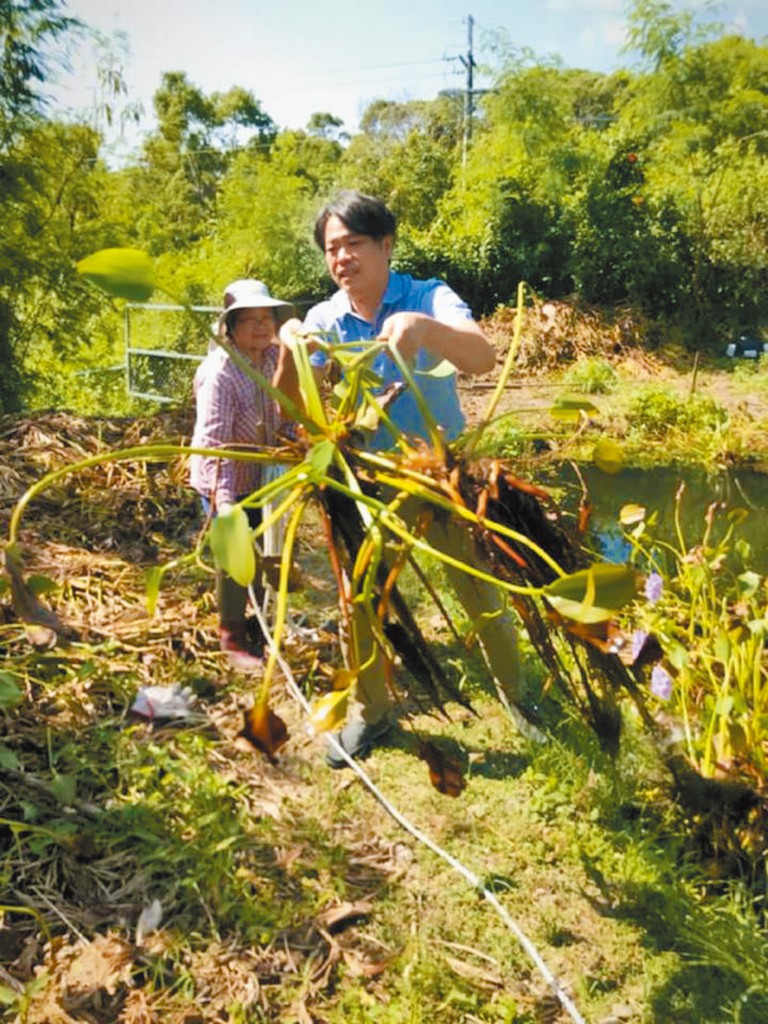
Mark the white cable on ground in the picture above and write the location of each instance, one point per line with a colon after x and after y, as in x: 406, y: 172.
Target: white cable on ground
x: 470, y: 876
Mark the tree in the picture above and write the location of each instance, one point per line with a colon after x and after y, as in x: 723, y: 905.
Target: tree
x: 326, y: 126
x: 27, y: 27
x: 265, y: 210
x: 184, y: 161
x: 703, y: 119
x: 658, y: 32
x: 406, y: 154
x: 503, y: 220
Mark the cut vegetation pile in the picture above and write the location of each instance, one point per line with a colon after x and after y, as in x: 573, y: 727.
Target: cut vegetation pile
x: 559, y: 333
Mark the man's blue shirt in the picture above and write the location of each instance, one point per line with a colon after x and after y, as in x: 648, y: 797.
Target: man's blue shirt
x: 404, y: 294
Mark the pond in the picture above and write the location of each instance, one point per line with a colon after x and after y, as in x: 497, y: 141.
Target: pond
x: 656, y: 490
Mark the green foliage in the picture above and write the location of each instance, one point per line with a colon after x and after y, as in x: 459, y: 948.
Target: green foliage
x: 591, y: 376
x: 406, y: 153
x: 121, y: 273
x: 175, y: 185
x: 50, y: 220
x: 265, y: 209
x: 647, y: 186
x: 655, y: 412
x: 708, y: 610
x: 27, y: 27
x: 232, y: 545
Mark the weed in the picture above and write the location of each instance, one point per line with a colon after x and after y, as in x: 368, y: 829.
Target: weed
x: 655, y: 412
x: 591, y: 376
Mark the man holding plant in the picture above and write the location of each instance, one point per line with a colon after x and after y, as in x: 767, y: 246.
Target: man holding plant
x: 426, y: 323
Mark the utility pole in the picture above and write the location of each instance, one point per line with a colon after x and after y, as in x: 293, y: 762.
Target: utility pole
x: 469, y: 66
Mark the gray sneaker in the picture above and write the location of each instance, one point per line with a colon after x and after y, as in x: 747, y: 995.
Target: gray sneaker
x: 358, y: 739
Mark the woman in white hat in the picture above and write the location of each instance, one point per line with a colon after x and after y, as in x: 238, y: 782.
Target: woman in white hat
x: 233, y: 411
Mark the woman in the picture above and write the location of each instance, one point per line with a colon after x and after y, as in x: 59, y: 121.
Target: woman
x: 233, y: 411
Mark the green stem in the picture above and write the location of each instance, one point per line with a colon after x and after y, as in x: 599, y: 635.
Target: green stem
x: 504, y: 376
x: 281, y: 610
x: 139, y: 454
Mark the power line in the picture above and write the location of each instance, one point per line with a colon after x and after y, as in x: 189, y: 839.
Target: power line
x: 371, y: 67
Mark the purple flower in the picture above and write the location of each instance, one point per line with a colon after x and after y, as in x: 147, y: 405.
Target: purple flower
x: 638, y: 642
x: 654, y: 585
x: 661, y: 683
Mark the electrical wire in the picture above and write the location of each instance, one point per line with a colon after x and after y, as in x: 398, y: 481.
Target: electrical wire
x: 470, y: 876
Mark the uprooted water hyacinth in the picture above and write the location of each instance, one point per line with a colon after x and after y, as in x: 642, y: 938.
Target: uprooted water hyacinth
x: 379, y: 509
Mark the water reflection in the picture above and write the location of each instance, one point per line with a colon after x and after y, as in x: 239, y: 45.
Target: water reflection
x: 656, y: 489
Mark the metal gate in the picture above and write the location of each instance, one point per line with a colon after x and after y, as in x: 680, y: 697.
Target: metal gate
x: 163, y: 346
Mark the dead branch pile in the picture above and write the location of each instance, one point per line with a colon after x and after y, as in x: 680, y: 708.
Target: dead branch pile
x: 557, y: 333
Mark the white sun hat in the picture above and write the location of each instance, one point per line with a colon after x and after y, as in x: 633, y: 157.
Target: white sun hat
x: 248, y: 293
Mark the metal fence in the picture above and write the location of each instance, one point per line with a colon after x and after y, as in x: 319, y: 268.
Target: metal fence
x: 163, y: 346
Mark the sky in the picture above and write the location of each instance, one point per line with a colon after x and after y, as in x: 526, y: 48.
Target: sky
x: 336, y: 56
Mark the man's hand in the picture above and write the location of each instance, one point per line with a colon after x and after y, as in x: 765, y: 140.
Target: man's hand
x: 406, y: 333
x: 293, y: 329
x: 462, y: 343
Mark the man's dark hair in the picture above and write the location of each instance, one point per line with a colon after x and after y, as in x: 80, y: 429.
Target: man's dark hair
x: 362, y: 214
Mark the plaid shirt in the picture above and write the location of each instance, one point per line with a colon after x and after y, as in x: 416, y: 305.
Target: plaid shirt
x: 232, y: 411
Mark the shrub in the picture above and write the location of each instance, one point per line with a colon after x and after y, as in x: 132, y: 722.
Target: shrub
x: 656, y: 411
x: 592, y: 376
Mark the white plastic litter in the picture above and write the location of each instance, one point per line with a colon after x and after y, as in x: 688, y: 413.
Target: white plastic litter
x: 153, y: 702
x: 149, y: 921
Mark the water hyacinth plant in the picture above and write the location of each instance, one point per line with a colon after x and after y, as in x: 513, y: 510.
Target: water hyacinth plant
x: 705, y: 617
x: 568, y: 602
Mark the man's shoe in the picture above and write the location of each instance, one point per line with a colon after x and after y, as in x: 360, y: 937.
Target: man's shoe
x: 243, y: 648
x: 358, y: 739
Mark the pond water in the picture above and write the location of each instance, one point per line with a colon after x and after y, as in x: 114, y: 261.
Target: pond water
x: 655, y: 489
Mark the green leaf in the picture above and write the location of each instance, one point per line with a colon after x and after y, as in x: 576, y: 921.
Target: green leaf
x: 631, y: 514
x: 677, y: 654
x: 367, y: 417
x: 64, y: 788
x: 570, y: 408
x: 10, y: 691
x: 122, y: 273
x: 594, y: 594
x: 7, y: 996
x: 608, y: 457
x: 749, y: 582
x: 39, y: 584
x: 340, y: 390
x: 444, y: 368
x: 232, y: 544
x: 8, y: 760
x: 722, y: 647
x: 743, y: 549
x: 319, y: 458
x: 152, y: 582
x: 329, y: 711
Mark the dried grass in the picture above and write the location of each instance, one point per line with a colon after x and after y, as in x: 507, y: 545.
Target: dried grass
x: 557, y: 333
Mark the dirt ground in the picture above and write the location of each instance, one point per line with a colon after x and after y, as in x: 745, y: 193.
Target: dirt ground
x: 557, y: 335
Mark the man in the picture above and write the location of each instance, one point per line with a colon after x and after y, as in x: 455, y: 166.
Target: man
x: 425, y: 320
x: 427, y: 323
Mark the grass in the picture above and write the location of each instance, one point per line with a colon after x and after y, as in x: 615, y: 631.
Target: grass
x: 244, y: 857
x: 655, y: 419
